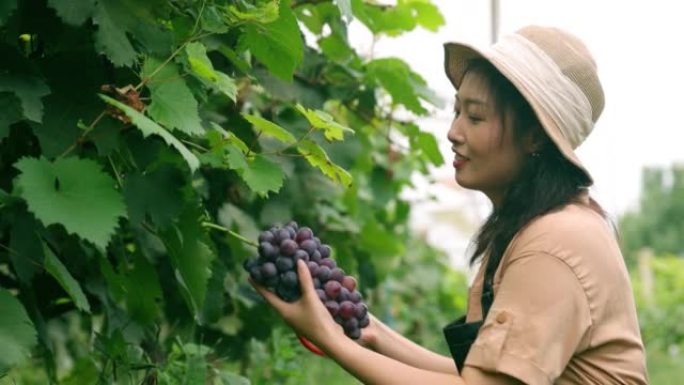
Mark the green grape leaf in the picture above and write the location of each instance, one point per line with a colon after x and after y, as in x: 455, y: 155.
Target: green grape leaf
x: 394, y: 75
x: 212, y: 21
x: 29, y: 90
x: 263, y: 176
x: 269, y: 128
x: 7, y: 7
x: 323, y: 121
x: 278, y: 44
x: 110, y: 38
x: 236, y: 159
x: 10, y: 112
x: 267, y: 12
x: 149, y: 127
x: 172, y: 102
x: 335, y: 47
x: 191, y: 257
x: 28, y: 253
x: 427, y: 15
x: 57, y: 269
x: 317, y: 157
x: 73, y: 12
x: 427, y: 144
x: 73, y: 192
x: 219, y: 135
x: 115, y: 282
x: 156, y: 194
x: 17, y: 334
x: 143, y: 291
x: 393, y: 20
x: 201, y: 66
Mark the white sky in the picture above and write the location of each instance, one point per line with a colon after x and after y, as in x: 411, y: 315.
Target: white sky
x: 638, y: 48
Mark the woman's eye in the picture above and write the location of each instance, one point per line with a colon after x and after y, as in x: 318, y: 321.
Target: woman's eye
x: 474, y: 119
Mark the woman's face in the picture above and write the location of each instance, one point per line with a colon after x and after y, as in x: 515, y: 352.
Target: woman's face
x: 486, y: 156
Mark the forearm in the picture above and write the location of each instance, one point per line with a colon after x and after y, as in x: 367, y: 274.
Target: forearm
x: 374, y: 368
x: 392, y: 344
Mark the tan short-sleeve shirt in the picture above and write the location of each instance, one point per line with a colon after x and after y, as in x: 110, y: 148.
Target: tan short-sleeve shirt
x: 563, y: 310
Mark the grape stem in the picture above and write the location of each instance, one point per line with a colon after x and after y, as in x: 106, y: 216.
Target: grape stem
x: 229, y: 231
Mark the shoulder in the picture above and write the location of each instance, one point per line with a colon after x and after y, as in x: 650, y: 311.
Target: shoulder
x: 574, y: 228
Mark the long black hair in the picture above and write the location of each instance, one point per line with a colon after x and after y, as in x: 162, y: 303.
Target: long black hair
x: 547, y: 181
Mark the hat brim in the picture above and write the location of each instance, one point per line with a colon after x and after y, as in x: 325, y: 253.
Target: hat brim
x: 456, y: 59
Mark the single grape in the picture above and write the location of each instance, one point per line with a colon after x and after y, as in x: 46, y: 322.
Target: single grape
x: 328, y: 262
x: 336, y: 274
x: 250, y: 262
x: 284, y: 264
x: 333, y: 307
x: 325, y: 251
x: 289, y: 279
x: 321, y: 295
x: 313, y: 268
x: 364, y: 321
x: 349, y: 282
x: 354, y: 334
x: 350, y: 324
x: 360, y: 310
x: 301, y: 254
x: 288, y: 247
x: 354, y: 296
x: 332, y: 289
x: 293, y: 224
x: 292, y: 231
x: 255, y: 273
x: 323, y: 273
x: 309, y: 246
x: 288, y: 294
x: 269, y: 270
x: 304, y: 234
x: 316, y: 256
x: 318, y: 242
x: 346, y: 309
x: 317, y: 283
x: 266, y: 236
x: 282, y: 235
x: 344, y: 293
x: 268, y: 251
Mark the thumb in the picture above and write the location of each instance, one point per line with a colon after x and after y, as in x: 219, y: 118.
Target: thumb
x: 305, y: 279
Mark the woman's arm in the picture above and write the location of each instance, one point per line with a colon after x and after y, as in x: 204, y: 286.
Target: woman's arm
x: 309, y: 318
x: 384, y: 340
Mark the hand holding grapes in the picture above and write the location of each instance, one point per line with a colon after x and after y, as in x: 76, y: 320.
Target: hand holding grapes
x: 307, y: 316
x: 276, y: 272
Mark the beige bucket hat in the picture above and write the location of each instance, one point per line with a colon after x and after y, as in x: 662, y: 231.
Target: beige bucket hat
x: 554, y: 72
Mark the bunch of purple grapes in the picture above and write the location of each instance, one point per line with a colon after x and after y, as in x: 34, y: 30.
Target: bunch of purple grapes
x: 276, y: 268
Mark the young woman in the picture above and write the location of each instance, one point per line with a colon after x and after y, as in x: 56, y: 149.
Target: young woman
x: 552, y: 301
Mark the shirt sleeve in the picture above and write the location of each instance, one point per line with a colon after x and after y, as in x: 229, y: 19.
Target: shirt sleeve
x: 539, y: 319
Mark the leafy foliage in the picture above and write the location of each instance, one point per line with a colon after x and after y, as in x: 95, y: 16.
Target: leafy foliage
x: 656, y: 224
x: 17, y: 335
x: 144, y: 143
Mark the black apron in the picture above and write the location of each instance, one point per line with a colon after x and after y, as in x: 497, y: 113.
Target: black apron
x: 459, y: 334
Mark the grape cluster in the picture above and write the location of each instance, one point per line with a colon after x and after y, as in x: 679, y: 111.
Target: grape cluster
x: 276, y: 268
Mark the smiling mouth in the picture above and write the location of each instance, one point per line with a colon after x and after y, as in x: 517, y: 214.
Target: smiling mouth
x: 460, y: 162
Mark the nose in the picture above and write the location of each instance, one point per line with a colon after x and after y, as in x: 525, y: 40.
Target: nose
x: 455, y: 133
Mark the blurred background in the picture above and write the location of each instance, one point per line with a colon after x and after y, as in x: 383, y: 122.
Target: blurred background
x: 403, y: 228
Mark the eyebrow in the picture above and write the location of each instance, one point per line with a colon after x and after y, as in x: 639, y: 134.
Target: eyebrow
x: 471, y: 101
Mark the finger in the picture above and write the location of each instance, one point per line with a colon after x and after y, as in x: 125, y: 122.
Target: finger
x: 305, y: 279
